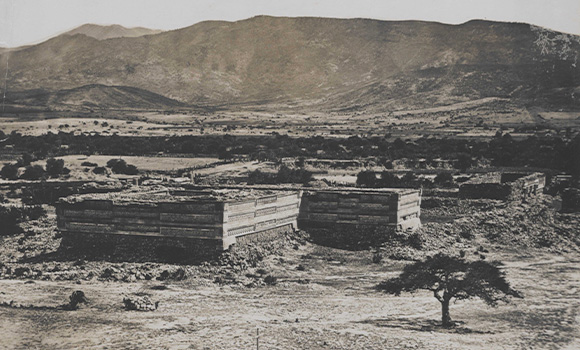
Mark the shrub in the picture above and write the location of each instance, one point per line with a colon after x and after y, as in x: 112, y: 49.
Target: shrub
x: 416, y: 240
x: 33, y: 172
x: 100, y: 170
x: 90, y: 164
x: 54, y: 167
x: 26, y: 159
x: 131, y: 170
x: 271, y: 280
x: 9, y: 171
x: 119, y: 166
x: 444, y: 179
x: 366, y: 178
x: 10, y: 217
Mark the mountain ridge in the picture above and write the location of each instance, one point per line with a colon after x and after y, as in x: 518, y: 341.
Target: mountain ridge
x: 104, y: 32
x: 313, y: 61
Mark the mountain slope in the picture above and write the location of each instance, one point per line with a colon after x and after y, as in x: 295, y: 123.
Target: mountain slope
x: 93, y: 96
x: 318, y: 62
x: 100, y: 32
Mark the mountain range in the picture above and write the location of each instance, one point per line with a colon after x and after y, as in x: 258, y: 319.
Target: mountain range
x: 303, y: 63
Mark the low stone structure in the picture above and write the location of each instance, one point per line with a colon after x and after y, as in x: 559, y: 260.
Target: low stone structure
x: 185, y: 225
x: 198, y: 224
x: 392, y: 209
x: 359, y: 218
x: 506, y: 186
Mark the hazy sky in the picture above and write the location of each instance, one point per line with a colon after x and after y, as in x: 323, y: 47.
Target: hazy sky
x: 28, y: 21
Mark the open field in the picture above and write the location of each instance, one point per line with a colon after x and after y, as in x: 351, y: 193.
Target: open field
x: 141, y: 162
x: 336, y: 309
x: 471, y: 119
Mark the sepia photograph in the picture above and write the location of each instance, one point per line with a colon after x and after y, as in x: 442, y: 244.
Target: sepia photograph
x: 253, y: 174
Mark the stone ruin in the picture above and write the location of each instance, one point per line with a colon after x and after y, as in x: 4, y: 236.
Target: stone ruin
x: 180, y: 225
x: 503, y: 186
x: 196, y: 225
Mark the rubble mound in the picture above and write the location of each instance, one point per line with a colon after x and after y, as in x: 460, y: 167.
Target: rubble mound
x: 137, y: 303
x: 534, y: 223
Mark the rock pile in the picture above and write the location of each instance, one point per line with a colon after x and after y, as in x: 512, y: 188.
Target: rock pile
x: 140, y: 303
x: 534, y: 223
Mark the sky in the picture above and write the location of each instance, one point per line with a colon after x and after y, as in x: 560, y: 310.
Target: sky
x: 32, y: 21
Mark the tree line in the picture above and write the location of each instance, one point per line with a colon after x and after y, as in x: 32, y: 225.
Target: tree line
x: 545, y: 152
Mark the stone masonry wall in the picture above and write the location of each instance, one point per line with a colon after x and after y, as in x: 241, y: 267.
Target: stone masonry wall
x: 334, y: 209
x: 510, y: 187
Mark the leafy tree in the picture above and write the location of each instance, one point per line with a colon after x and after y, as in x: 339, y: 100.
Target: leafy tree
x: 464, y: 161
x: 300, y: 162
x: 100, y: 170
x: 366, y: 178
x: 119, y: 166
x: 131, y: 170
x: 444, y: 179
x: 224, y: 153
x: 26, y: 159
x: 389, y: 179
x: 54, y: 167
x: 33, y: 172
x: 9, y: 171
x: 451, y: 277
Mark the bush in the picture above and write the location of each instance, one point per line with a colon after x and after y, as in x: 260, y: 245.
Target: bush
x: 100, y: 170
x: 119, y: 166
x: 26, y: 159
x: 90, y: 164
x: 366, y: 178
x: 131, y: 170
x: 416, y: 240
x: 54, y: 167
x: 33, y: 172
x: 271, y: 280
x: 9, y: 171
x: 444, y: 179
x: 10, y: 217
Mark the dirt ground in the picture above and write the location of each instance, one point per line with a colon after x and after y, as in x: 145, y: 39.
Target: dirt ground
x: 324, y: 297
x: 331, y: 304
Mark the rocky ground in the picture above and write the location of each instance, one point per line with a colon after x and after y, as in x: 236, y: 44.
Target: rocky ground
x: 301, y: 295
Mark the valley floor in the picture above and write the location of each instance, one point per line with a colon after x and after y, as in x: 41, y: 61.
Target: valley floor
x: 329, y: 305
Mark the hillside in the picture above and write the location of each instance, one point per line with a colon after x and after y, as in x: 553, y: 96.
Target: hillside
x: 316, y: 63
x: 113, y: 31
x: 93, y: 96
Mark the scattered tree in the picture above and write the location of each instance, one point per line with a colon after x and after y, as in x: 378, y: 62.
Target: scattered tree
x: 366, y: 178
x: 54, y: 167
x: 444, y: 179
x: 119, y: 166
x: 9, y: 171
x: 33, y: 172
x: 100, y: 170
x: 451, y: 277
x: 26, y: 159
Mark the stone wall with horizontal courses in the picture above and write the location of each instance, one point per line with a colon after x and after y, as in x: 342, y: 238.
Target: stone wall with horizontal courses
x: 396, y: 210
